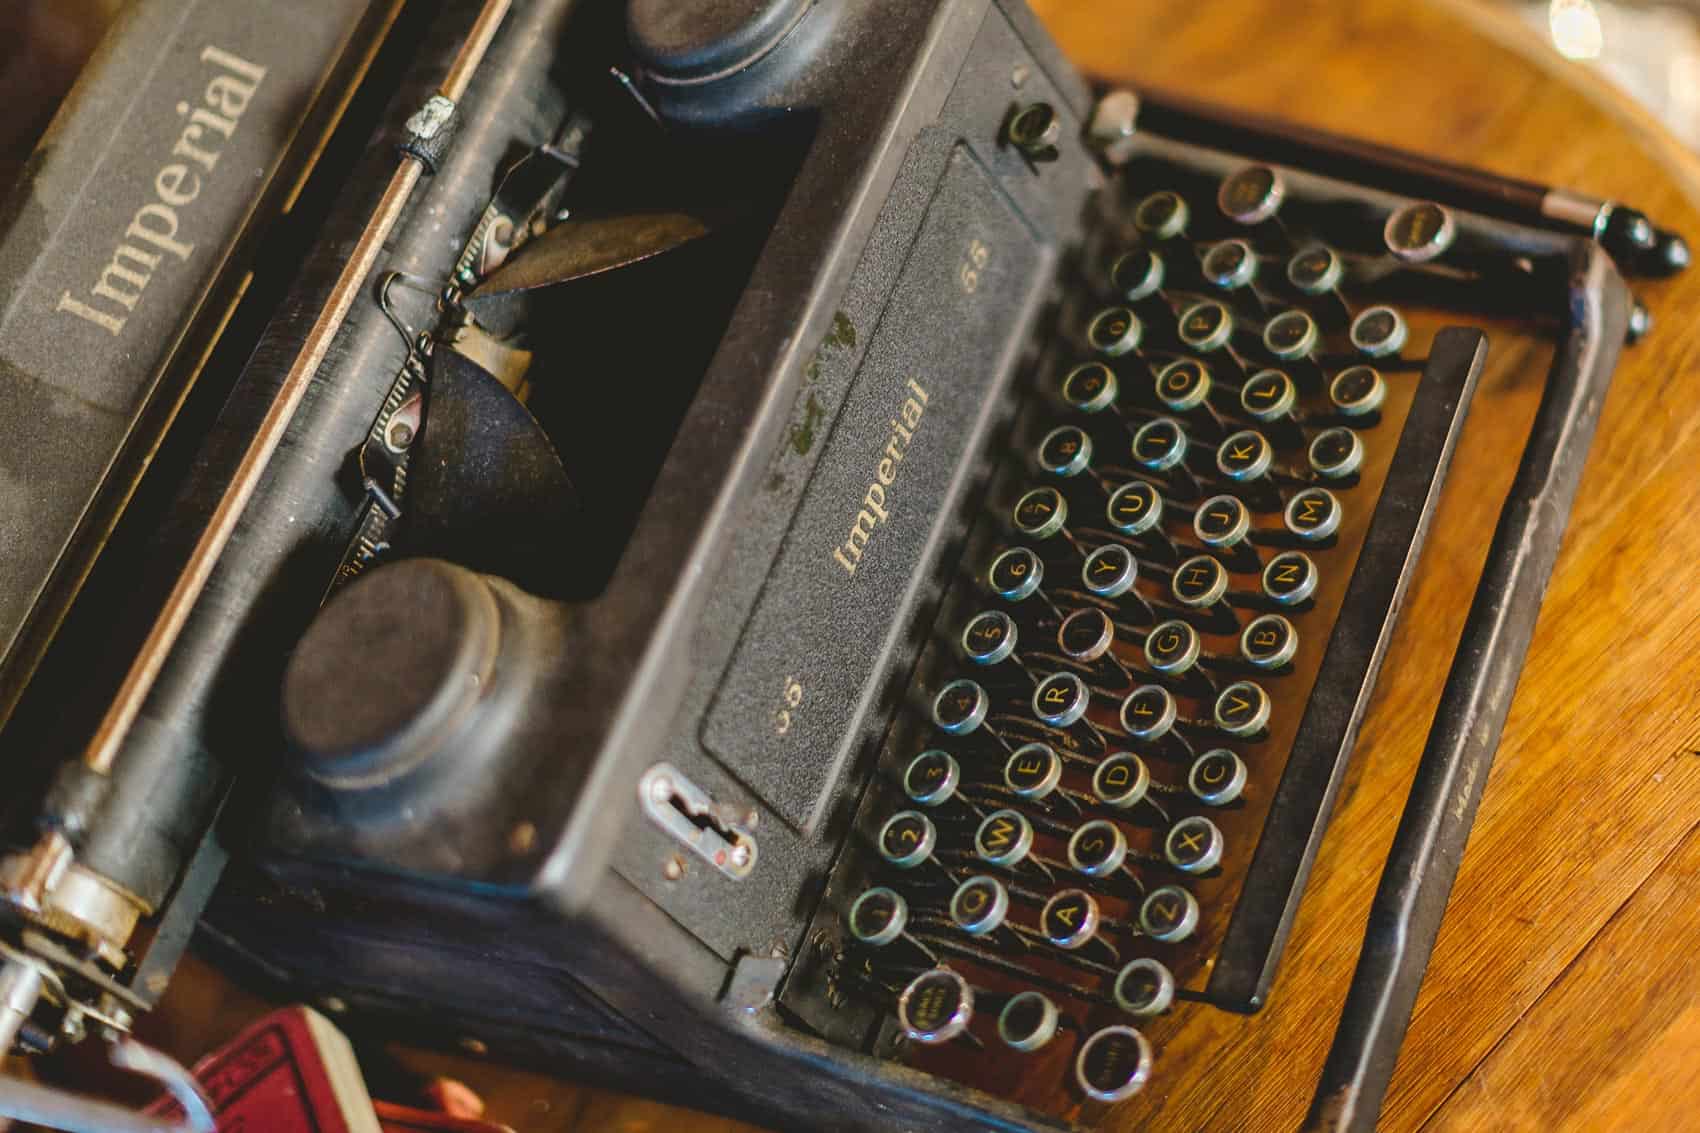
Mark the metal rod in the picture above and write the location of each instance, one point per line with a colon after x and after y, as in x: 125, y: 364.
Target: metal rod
x: 1423, y: 863
x: 138, y: 681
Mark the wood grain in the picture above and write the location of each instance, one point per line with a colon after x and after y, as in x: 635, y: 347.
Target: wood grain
x: 1561, y: 993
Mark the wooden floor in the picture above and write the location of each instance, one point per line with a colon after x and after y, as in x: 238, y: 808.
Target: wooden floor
x: 1564, y: 993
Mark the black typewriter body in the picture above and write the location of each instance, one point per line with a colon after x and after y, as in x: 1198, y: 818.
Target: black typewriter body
x: 899, y: 655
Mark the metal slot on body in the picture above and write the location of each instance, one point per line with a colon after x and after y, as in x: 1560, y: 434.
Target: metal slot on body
x: 690, y: 814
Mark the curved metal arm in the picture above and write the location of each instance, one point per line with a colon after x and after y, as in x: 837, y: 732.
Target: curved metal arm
x: 1423, y: 863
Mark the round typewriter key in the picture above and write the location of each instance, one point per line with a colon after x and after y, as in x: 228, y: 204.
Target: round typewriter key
x: 1028, y: 1021
x: 1193, y: 845
x: 1217, y: 777
x: 1246, y: 455
x: 931, y: 777
x: 1069, y: 918
x: 979, y: 905
x: 1114, y: 331
x: 1168, y: 914
x: 1357, y: 390
x: 1135, y: 508
x: 1206, y: 326
x: 960, y: 707
x: 989, y: 637
x: 1162, y: 215
x: 1172, y: 647
x: 1040, y: 513
x: 1015, y: 574
x: 1242, y: 709
x: 1222, y: 521
x: 1313, y: 514
x: 1159, y: 444
x: 1269, y: 642
x: 1004, y: 838
x: 907, y: 839
x: 1290, y: 578
x: 1148, y: 712
x: 1090, y: 388
x: 1121, y: 781
x: 1315, y: 270
x: 1086, y: 635
x: 1230, y: 264
x: 1378, y: 332
x: 1144, y: 987
x: 1033, y: 771
x: 1113, y: 1065
x: 1200, y: 582
x: 1109, y: 571
x: 1066, y: 451
x: 1418, y: 232
x: 1268, y: 395
x: 1291, y: 334
x: 1137, y: 274
x: 1061, y: 699
x: 936, y: 1006
x: 1183, y: 384
x: 878, y: 917
x: 1335, y: 454
x: 1251, y: 195
x: 1098, y: 848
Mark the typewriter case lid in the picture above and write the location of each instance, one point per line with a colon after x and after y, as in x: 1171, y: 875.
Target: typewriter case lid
x: 624, y: 659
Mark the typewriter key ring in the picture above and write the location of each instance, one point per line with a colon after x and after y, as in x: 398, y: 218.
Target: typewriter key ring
x: 1034, y: 773
x: 1113, y: 1064
x: 1122, y: 781
x: 1231, y: 267
x: 1144, y: 987
x: 1099, y: 850
x: 936, y: 1007
x: 1029, y: 1020
x: 1217, y: 777
x: 980, y: 908
x: 1193, y: 845
x: 1042, y: 513
x: 879, y: 917
x: 1317, y: 270
x: 1135, y: 512
x: 1015, y: 576
x: 1223, y: 524
x: 1071, y: 919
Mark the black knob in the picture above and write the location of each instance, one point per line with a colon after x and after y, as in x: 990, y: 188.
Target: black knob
x: 417, y: 672
x: 693, y: 41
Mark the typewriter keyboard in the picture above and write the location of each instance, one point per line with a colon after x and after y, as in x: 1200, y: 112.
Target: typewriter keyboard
x: 1097, y: 807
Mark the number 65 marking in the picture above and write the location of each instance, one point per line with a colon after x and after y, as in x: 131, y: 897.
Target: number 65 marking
x: 793, y: 698
x: 972, y: 265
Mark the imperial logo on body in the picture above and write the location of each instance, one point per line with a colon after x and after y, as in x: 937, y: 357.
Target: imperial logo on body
x: 154, y: 229
x: 876, y: 503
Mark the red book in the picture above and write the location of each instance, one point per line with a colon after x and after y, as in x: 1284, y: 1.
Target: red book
x: 290, y: 1072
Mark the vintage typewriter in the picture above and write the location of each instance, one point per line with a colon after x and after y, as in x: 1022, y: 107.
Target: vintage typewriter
x: 795, y: 557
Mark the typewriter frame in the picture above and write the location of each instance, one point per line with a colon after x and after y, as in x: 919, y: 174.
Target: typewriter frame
x: 582, y: 945
x: 715, y: 1015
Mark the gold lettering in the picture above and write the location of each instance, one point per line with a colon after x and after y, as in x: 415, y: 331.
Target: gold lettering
x: 138, y: 279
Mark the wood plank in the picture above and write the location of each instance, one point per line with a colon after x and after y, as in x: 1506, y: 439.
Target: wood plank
x: 1612, y: 1044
